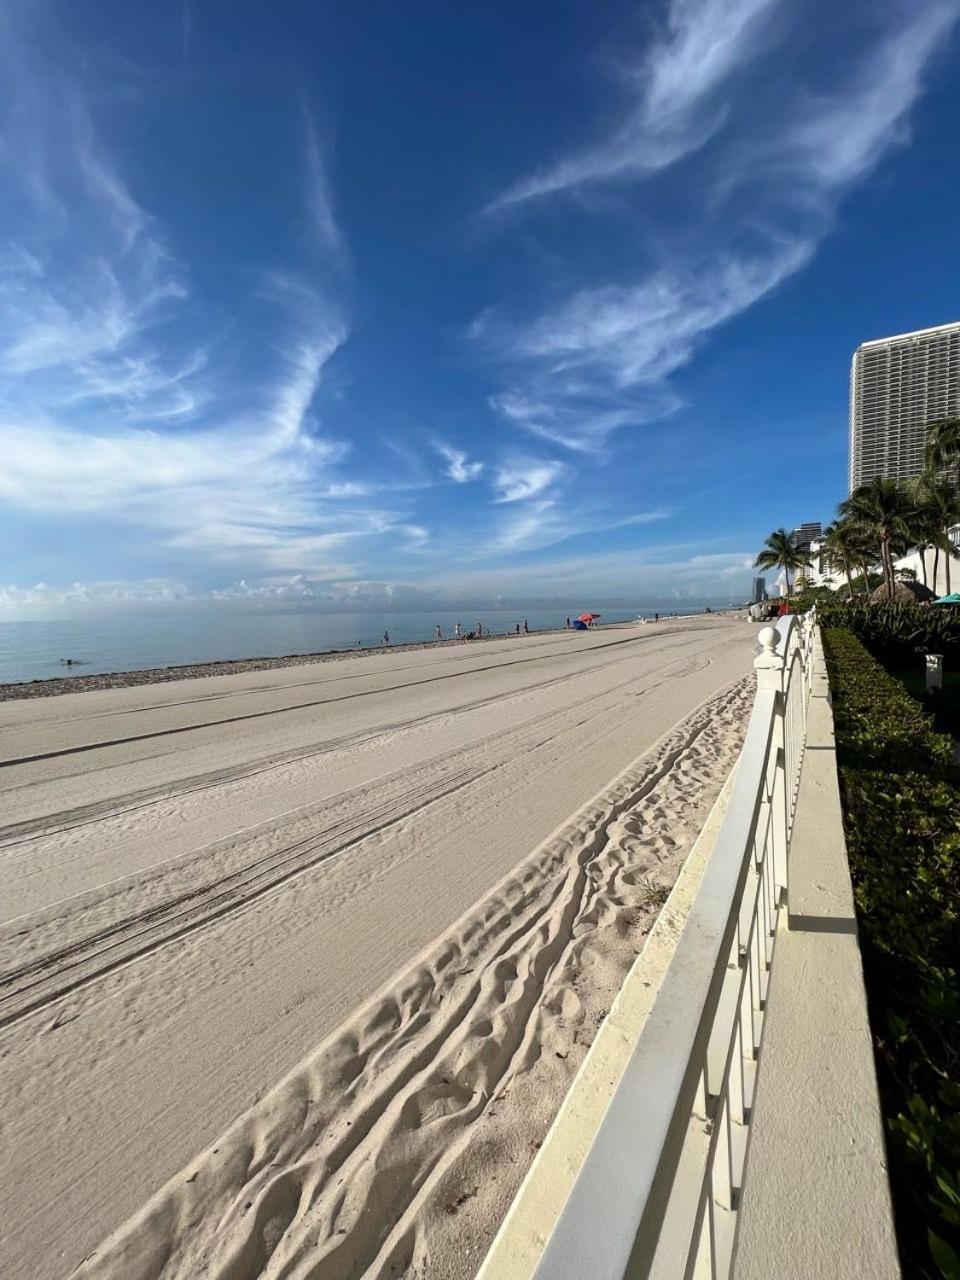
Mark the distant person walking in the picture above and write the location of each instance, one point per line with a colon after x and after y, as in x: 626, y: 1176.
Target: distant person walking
x: 457, y: 632
x: 439, y: 632
x: 479, y: 630
x: 386, y: 637
x: 568, y: 624
x: 518, y: 628
x: 656, y: 617
x: 526, y: 629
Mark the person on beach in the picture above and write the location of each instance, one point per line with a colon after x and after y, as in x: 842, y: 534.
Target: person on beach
x: 656, y: 617
x: 456, y: 632
x: 479, y: 630
x: 439, y: 632
x: 568, y: 624
x: 518, y: 628
x: 526, y: 629
x: 386, y: 637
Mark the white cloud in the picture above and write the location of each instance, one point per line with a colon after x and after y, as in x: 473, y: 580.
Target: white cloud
x: 109, y: 405
x: 346, y: 489
x: 533, y: 526
x: 319, y: 198
x: 459, y: 467
x: 238, y: 488
x: 652, y: 575
x: 85, y: 274
x: 570, y: 413
x: 415, y: 535
x: 836, y: 138
x: 636, y: 335
x: 673, y: 90
x: 545, y: 522
x: 601, y: 358
x: 520, y: 479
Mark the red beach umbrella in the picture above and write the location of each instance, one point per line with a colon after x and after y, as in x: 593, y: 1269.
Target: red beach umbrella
x: 589, y: 617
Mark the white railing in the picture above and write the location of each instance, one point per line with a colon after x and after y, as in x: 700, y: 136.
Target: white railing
x: 658, y: 1191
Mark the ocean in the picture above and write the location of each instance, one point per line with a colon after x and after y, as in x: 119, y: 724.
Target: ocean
x: 134, y: 642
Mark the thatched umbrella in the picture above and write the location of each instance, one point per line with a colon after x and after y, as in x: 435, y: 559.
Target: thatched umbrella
x: 904, y: 593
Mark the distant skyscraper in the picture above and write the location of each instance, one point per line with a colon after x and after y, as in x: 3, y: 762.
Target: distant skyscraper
x: 897, y: 387
x: 759, y: 590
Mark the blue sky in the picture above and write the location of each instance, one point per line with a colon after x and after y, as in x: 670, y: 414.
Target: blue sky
x: 327, y: 301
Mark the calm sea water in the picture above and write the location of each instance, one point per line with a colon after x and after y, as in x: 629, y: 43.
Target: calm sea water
x: 127, y: 642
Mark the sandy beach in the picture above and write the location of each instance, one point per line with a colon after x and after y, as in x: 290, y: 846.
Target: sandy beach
x: 296, y: 964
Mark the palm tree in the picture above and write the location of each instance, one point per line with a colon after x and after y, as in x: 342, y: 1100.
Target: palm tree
x: 927, y: 523
x: 884, y: 512
x: 924, y: 525
x: 943, y: 446
x: 941, y: 506
x: 842, y: 546
x: 867, y: 555
x: 780, y: 551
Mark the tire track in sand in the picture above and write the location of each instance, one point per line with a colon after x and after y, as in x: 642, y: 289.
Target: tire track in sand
x: 81, y: 748
x: 62, y: 969
x: 335, y: 1172
x: 16, y: 833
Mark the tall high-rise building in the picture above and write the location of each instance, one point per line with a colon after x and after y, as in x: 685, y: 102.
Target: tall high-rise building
x: 897, y: 387
x: 759, y: 590
x: 804, y: 534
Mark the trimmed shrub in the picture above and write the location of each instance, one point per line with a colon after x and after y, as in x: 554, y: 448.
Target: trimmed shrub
x: 901, y: 799
x: 897, y: 632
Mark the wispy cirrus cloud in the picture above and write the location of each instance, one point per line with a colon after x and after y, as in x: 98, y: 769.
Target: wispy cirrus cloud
x: 602, y: 357
x: 534, y: 509
x: 675, y: 98
x: 319, y: 200
x: 569, y: 411
x: 520, y: 478
x: 460, y: 469
x: 547, y: 522
x: 118, y: 393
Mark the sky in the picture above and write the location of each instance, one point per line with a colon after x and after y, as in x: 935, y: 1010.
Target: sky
x: 335, y: 304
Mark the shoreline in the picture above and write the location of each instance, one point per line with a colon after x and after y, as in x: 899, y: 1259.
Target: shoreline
x: 53, y: 686
x: 56, y: 686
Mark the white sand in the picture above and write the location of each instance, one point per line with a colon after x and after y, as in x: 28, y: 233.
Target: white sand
x: 349, y: 881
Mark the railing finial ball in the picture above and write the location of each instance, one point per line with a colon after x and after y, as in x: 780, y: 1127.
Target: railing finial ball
x: 768, y: 638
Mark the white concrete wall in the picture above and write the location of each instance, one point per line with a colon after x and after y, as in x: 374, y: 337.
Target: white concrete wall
x: 912, y: 561
x: 837, y: 579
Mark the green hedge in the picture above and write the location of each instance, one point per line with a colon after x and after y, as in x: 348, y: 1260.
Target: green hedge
x: 901, y: 797
x: 897, y: 631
